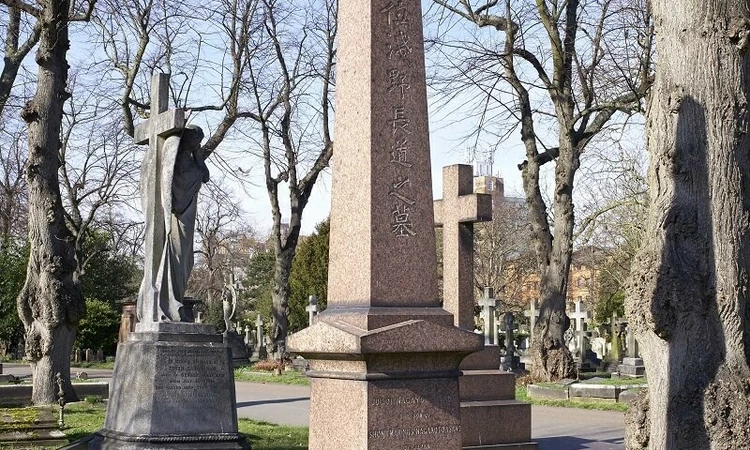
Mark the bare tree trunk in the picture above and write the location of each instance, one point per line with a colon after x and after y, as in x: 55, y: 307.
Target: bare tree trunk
x: 280, y: 295
x: 688, y: 295
x: 50, y: 303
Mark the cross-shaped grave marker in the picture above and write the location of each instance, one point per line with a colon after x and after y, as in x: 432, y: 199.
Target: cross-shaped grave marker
x: 631, y: 343
x: 509, y: 324
x: 161, y: 123
x: 532, y: 313
x: 488, y: 304
x: 580, y: 315
x: 456, y: 213
x: 312, y: 309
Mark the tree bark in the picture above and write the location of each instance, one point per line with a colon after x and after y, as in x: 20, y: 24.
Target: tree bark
x: 688, y: 293
x: 50, y: 303
x: 280, y: 296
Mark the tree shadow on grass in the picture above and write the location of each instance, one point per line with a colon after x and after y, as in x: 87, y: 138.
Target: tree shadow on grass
x: 272, y: 401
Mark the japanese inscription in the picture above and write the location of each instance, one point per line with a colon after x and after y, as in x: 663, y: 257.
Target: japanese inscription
x: 398, y: 82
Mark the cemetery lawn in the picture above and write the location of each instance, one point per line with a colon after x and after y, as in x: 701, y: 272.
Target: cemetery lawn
x: 109, y: 365
x: 521, y: 394
x: 619, y: 381
x: 286, y: 377
x: 84, y: 418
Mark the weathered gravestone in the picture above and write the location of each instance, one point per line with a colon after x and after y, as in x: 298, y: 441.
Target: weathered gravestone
x: 230, y: 335
x: 383, y: 356
x: 510, y: 361
x: 260, y: 351
x: 490, y: 416
x: 173, y: 385
x: 128, y: 318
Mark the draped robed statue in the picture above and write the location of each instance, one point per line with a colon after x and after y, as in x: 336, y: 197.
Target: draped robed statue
x: 172, y: 173
x: 182, y: 173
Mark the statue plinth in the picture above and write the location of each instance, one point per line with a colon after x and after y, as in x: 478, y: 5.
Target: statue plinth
x: 172, y: 388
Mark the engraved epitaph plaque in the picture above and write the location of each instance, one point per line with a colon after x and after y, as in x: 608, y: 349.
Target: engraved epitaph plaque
x: 405, y: 414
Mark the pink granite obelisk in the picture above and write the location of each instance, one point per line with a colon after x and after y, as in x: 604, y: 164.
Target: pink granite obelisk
x: 384, y: 356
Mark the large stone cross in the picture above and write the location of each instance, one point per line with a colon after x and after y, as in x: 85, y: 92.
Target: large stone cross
x: 456, y: 213
x: 161, y: 123
x: 580, y: 315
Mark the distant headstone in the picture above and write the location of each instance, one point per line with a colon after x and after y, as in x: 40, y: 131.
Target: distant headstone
x: 100, y: 355
x: 77, y: 356
x: 632, y: 367
x: 261, y: 351
x: 618, y: 326
x: 510, y: 360
x: 488, y: 304
x: 312, y: 310
x: 632, y: 344
x: 89, y: 355
x: 383, y: 356
x: 579, y: 316
x: 248, y: 336
x: 599, y: 346
x: 128, y: 318
x: 231, y: 337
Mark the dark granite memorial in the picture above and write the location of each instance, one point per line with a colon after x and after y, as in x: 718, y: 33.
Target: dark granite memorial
x: 173, y: 384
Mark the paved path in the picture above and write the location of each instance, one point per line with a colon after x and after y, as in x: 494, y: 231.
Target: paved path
x: 552, y: 428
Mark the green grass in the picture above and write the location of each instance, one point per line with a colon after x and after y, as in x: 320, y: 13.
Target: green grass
x: 84, y: 418
x: 286, y: 377
x: 522, y: 395
x: 93, y: 365
x: 268, y: 436
x: 552, y: 385
x: 619, y: 381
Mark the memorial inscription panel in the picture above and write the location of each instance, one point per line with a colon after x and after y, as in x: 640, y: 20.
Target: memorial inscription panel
x: 193, y: 381
x: 411, y: 414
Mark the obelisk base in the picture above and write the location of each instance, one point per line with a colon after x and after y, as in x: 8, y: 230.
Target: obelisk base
x: 172, y: 388
x: 387, y: 388
x: 491, y: 417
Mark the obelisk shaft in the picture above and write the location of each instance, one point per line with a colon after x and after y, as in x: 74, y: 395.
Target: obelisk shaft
x: 382, y: 249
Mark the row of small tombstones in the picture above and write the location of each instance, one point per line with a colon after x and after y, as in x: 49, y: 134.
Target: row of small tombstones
x: 88, y: 355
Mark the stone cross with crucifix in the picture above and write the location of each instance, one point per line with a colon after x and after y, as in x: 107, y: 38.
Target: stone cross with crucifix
x: 580, y: 315
x: 456, y: 213
x: 173, y: 171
